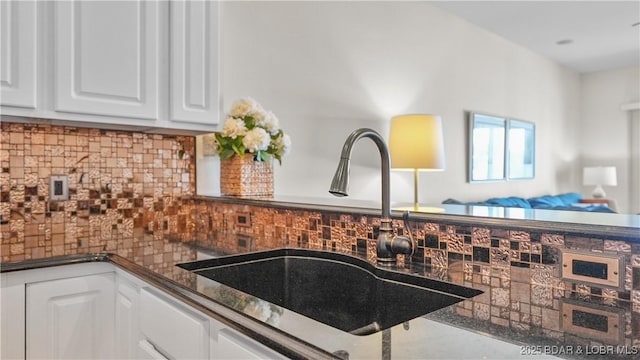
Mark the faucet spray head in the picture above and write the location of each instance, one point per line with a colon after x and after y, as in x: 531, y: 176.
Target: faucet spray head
x: 340, y: 182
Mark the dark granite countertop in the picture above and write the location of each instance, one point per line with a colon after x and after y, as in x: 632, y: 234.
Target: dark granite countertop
x: 299, y: 337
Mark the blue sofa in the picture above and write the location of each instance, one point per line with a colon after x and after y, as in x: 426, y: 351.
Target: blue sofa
x: 551, y: 202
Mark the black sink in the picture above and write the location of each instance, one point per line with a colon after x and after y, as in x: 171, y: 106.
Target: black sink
x: 342, y: 291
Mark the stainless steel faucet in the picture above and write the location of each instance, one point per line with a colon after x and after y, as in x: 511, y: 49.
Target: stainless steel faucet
x: 388, y: 244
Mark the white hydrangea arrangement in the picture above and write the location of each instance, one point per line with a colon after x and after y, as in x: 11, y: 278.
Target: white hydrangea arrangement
x: 251, y: 129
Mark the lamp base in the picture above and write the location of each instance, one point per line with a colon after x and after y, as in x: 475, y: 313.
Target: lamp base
x: 598, y: 192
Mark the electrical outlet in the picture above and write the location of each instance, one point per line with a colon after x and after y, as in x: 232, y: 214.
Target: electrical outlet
x: 59, y: 188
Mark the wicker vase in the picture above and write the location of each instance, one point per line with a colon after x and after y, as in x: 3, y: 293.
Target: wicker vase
x: 242, y: 176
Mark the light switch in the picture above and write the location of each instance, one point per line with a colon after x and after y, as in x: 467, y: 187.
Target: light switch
x: 58, y: 188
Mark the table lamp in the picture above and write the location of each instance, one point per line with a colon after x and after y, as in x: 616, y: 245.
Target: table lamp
x: 416, y: 144
x: 599, y: 176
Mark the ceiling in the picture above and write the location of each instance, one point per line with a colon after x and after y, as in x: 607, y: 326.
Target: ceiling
x: 602, y: 34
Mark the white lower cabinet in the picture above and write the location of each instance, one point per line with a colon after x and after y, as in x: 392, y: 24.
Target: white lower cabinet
x: 229, y: 344
x: 173, y: 328
x: 146, y: 351
x: 97, y: 311
x: 127, y: 323
x: 70, y: 318
x: 12, y: 321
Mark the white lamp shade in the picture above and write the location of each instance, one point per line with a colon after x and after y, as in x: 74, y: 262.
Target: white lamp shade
x: 600, y: 175
x: 416, y: 142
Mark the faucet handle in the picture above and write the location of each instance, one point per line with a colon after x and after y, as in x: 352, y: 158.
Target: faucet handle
x: 403, y: 244
x: 405, y: 219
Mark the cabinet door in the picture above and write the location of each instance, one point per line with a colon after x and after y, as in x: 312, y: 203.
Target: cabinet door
x: 71, y: 318
x: 12, y: 315
x: 107, y: 57
x: 229, y: 344
x: 194, y: 62
x: 173, y: 328
x: 146, y: 351
x: 18, y: 53
x: 127, y: 325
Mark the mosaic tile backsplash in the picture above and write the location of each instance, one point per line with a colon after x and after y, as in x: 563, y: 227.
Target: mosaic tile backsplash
x: 127, y: 190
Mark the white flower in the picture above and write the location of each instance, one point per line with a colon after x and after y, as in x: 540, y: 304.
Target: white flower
x: 251, y: 129
x: 270, y: 122
x: 248, y: 107
x: 256, y: 139
x: 234, y: 128
x: 283, y: 144
x: 210, y: 145
x: 245, y: 107
x: 258, y: 115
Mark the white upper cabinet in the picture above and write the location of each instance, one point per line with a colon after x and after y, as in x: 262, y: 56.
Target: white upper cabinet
x: 149, y: 64
x: 107, y: 57
x: 18, y: 53
x: 194, y: 61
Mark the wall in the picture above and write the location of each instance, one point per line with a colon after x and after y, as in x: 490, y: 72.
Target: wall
x: 605, y: 131
x: 327, y: 68
x: 127, y: 190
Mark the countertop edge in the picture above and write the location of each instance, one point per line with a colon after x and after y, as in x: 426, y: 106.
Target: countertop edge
x: 610, y: 231
x: 275, y: 339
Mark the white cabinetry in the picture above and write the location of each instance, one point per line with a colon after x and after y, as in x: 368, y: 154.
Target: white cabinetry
x: 70, y: 318
x: 131, y: 64
x: 194, y: 61
x: 127, y: 324
x: 18, y: 53
x: 107, y: 57
x: 12, y: 321
x: 172, y: 328
x: 146, y: 351
x: 228, y: 344
x: 96, y: 310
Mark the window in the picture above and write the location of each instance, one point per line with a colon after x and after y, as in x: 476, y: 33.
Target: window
x: 500, y: 148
